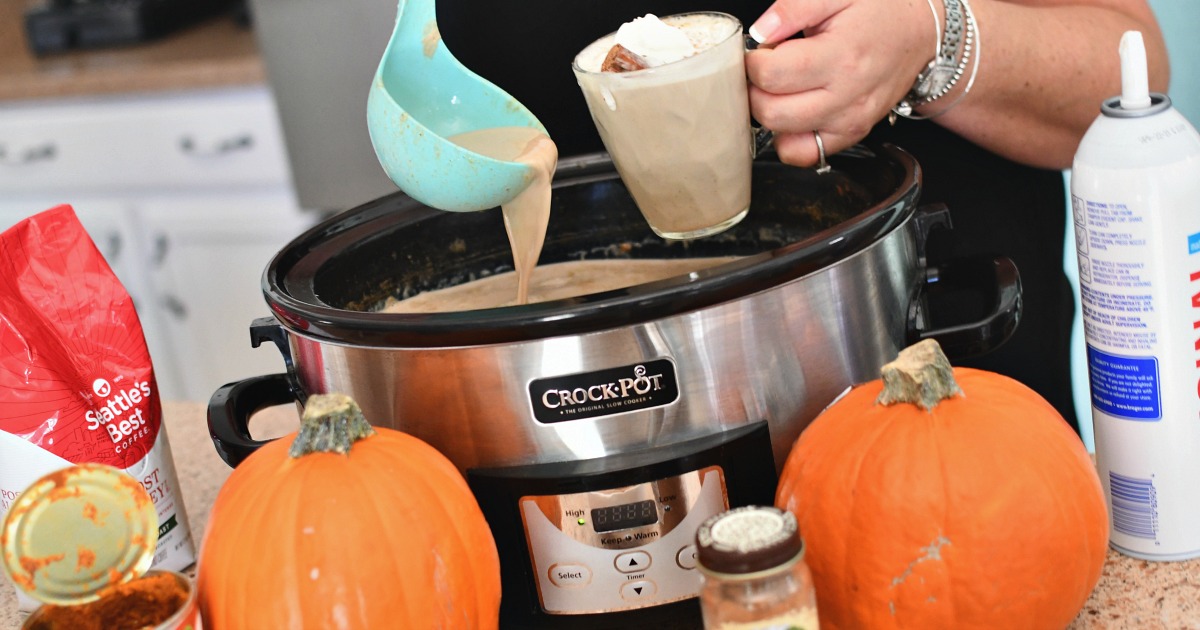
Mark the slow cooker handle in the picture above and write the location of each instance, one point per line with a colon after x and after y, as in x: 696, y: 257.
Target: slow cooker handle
x: 230, y: 409
x: 927, y: 218
x: 268, y: 329
x: 964, y: 276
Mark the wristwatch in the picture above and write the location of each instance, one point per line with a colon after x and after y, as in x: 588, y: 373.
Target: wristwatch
x: 937, y: 77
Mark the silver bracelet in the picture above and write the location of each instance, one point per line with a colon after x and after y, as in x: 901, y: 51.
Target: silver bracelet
x: 974, y: 68
x: 947, y: 67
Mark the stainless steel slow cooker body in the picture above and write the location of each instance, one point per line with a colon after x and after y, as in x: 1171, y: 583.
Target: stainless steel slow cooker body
x: 831, y: 286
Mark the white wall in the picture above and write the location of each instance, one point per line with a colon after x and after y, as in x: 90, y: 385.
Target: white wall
x: 1179, y: 20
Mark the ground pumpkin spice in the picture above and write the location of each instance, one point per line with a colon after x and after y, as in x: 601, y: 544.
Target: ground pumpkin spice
x: 141, y: 603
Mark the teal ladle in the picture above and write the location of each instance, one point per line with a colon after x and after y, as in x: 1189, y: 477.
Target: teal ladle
x: 421, y: 96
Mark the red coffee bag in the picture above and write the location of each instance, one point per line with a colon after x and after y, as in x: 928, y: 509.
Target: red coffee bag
x: 76, y: 381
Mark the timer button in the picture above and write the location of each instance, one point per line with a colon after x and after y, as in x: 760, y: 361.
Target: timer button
x: 686, y: 558
x: 639, y: 590
x: 569, y: 575
x: 632, y: 562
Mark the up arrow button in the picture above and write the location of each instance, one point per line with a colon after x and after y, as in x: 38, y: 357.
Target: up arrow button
x: 632, y: 562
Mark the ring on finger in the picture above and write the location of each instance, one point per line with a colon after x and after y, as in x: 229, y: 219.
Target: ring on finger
x: 822, y: 166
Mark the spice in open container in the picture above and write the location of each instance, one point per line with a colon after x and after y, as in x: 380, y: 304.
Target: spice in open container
x: 81, y: 540
x: 755, y: 578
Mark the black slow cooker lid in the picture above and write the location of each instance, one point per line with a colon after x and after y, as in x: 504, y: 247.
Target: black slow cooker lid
x: 328, y: 282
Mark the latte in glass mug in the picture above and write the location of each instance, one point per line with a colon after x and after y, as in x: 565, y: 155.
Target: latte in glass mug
x: 675, y: 118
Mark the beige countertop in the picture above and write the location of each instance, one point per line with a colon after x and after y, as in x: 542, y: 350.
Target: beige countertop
x: 1131, y: 593
x: 215, y: 53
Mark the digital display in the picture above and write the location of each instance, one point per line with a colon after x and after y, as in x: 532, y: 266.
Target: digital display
x: 613, y: 517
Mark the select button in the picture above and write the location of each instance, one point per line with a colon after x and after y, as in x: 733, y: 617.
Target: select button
x: 570, y: 575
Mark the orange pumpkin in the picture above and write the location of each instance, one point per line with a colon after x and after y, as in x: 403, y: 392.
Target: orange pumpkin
x: 356, y: 528
x: 945, y: 498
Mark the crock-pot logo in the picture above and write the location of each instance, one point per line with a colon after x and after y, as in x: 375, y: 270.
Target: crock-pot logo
x: 641, y: 384
x: 604, y: 392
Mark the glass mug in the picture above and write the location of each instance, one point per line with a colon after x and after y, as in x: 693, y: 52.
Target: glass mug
x: 679, y: 134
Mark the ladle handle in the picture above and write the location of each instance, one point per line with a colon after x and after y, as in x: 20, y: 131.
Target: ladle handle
x: 230, y: 409
x: 416, y: 21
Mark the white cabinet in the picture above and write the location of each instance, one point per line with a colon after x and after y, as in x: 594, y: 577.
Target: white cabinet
x: 208, y: 258
x: 119, y: 145
x: 187, y: 194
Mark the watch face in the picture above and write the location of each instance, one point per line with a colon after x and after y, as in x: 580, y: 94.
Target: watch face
x: 942, y: 75
x: 940, y: 81
x: 925, y: 82
x: 933, y: 80
x: 926, y: 87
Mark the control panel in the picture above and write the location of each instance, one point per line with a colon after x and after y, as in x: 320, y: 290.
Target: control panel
x: 607, y: 542
x: 620, y: 548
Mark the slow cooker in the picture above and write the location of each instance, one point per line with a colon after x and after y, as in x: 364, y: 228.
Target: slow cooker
x: 597, y: 431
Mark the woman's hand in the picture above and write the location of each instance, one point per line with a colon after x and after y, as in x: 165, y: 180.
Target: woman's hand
x: 1044, y: 67
x: 857, y: 59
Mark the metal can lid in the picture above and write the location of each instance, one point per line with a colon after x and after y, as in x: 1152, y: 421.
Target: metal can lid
x: 78, y: 530
x: 748, y: 540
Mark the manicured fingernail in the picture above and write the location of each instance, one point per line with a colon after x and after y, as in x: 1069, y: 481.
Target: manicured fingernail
x: 764, y: 27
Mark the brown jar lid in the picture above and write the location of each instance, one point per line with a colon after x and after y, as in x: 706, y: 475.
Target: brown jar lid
x: 748, y: 540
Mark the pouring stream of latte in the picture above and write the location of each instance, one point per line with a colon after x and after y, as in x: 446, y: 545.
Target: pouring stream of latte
x: 526, y: 216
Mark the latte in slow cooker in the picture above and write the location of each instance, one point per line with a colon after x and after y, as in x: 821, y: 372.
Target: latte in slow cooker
x: 553, y: 282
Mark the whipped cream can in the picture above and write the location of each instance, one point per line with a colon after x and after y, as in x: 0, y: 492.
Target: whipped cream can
x: 1135, y: 197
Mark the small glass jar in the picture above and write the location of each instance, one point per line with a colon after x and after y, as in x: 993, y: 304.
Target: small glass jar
x: 752, y: 562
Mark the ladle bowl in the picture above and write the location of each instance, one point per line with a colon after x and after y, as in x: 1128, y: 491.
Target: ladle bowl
x: 420, y: 97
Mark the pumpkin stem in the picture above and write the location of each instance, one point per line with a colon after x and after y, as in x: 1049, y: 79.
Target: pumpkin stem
x: 331, y: 423
x: 920, y: 375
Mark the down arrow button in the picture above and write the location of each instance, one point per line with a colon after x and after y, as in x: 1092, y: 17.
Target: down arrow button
x: 639, y: 590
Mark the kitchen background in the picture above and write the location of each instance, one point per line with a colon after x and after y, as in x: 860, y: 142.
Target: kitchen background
x: 193, y: 158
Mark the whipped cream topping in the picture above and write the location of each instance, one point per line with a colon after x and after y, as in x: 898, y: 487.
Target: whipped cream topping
x: 655, y: 41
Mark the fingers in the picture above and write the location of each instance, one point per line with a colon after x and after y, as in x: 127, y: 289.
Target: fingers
x: 836, y: 81
x: 789, y: 113
x: 794, y: 117
x: 854, y: 63
x: 793, y: 66
x: 802, y: 149
x: 785, y: 18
